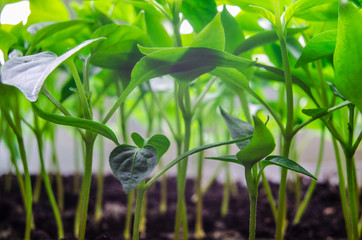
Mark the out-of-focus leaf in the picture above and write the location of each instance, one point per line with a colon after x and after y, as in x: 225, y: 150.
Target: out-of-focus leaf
x: 302, y: 5
x: 319, y: 46
x: 327, y: 12
x: 348, y: 54
x: 263, y: 38
x: 160, y: 143
x: 232, y: 78
x: 86, y: 124
x: 119, y: 49
x: 198, y: 13
x: 265, y: 13
x: 7, y: 40
x: 314, y: 112
x: 237, y: 128
x: 41, y: 12
x: 261, y: 144
x: 231, y: 159
x: 285, y: 163
x: 245, y: 4
x: 131, y: 165
x: 28, y: 73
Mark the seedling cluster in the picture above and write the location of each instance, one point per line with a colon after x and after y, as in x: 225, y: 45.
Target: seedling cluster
x: 92, y: 65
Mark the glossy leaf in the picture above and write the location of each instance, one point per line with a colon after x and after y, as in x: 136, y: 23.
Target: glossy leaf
x: 263, y: 38
x: 131, y: 165
x: 237, y: 128
x: 119, y: 50
x: 198, y: 13
x: 261, y: 144
x: 7, y: 40
x: 160, y: 143
x: 28, y: 73
x: 319, y: 46
x: 86, y: 124
x: 348, y: 54
x: 138, y: 139
x: 285, y: 163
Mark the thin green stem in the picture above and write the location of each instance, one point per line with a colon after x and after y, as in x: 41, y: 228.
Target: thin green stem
x: 100, y: 183
x: 308, y: 195
x: 127, y: 225
x: 226, y: 191
x: 253, y: 194
x: 138, y: 211
x: 86, y: 182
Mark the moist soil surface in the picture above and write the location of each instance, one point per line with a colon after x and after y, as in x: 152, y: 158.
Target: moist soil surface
x: 323, y: 218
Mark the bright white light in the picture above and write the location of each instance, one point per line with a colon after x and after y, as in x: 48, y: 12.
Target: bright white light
x: 2, y: 60
x: 233, y: 10
x: 186, y: 27
x: 301, y: 41
x: 15, y: 12
x: 265, y: 24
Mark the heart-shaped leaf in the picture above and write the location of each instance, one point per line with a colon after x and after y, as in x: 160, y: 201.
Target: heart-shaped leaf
x: 348, y: 55
x: 131, y: 165
x: 237, y: 128
x: 86, y: 124
x: 319, y: 46
x: 28, y: 73
x: 261, y: 145
x: 160, y: 143
x: 286, y: 163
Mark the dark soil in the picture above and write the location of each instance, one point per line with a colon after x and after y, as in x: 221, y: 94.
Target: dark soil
x: 323, y: 219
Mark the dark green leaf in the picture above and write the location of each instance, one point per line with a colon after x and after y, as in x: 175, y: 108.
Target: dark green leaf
x: 319, y: 46
x: 199, y: 13
x: 348, y: 54
x: 28, y: 73
x: 131, y: 165
x: 138, y: 139
x: 231, y: 159
x: 237, y: 128
x: 160, y: 143
x: 261, y: 145
x: 86, y: 124
x: 286, y: 163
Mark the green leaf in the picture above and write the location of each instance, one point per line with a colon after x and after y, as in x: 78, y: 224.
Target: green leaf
x: 265, y: 13
x: 138, y: 139
x: 212, y: 36
x: 119, y: 50
x: 300, y: 6
x: 285, y: 163
x: 86, y: 124
x: 261, y: 145
x: 61, y: 29
x: 131, y: 165
x: 230, y: 158
x: 28, y: 73
x: 199, y: 13
x: 262, y: 38
x: 348, y: 55
x: 195, y: 61
x: 237, y: 128
x: 232, y: 78
x: 314, y: 111
x: 245, y: 4
x: 160, y: 143
x: 233, y: 32
x: 41, y: 12
x: 7, y: 40
x: 321, y: 45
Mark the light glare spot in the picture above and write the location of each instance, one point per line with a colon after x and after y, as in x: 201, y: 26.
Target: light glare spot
x: 301, y: 41
x: 233, y: 10
x: 2, y: 60
x: 186, y: 27
x: 15, y: 13
x: 265, y: 24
